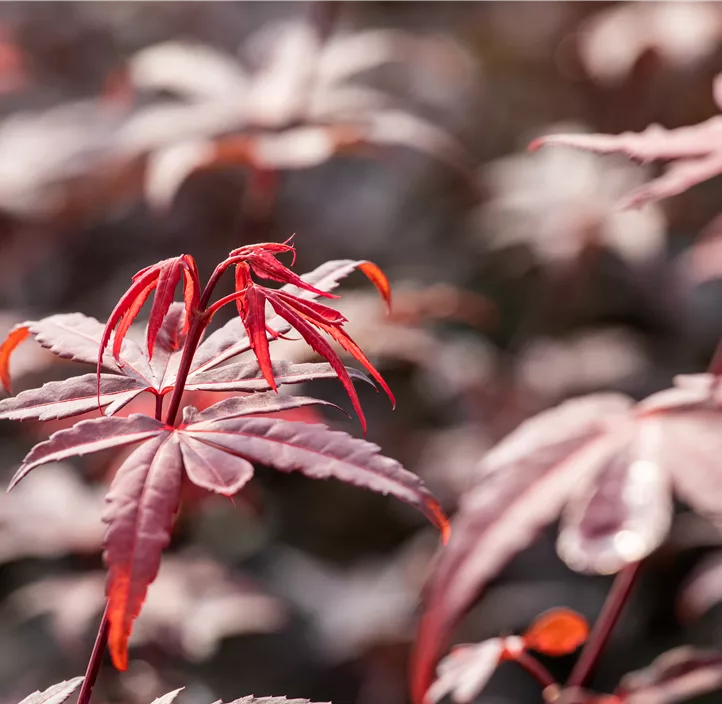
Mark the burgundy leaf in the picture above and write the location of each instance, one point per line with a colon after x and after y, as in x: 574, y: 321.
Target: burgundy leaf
x: 142, y: 501
x: 168, y: 279
x: 254, y: 320
x: 246, y: 376
x: 675, y: 676
x: 525, y: 481
x: 695, y: 153
x: 317, y: 452
x: 56, y: 694
x: 71, y: 397
x: 88, y: 436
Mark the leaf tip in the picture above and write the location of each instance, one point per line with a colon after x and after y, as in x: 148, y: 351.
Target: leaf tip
x: 377, y: 277
x: 536, y: 144
x: 14, y: 338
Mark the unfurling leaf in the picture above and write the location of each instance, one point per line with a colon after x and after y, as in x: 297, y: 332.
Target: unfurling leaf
x: 217, y: 449
x: 694, y: 153
x: 56, y: 694
x: 307, y: 317
x: 163, y: 279
x: 557, y: 632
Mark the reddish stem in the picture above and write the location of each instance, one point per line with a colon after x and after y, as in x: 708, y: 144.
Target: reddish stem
x: 96, y: 659
x: 198, y: 324
x: 613, y: 605
x: 536, y: 670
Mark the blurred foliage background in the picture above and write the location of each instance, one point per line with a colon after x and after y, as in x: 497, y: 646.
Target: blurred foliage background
x: 394, y: 132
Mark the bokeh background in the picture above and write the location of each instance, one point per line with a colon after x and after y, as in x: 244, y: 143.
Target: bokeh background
x: 394, y: 132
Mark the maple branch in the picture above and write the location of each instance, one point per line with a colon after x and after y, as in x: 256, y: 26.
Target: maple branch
x: 536, y: 670
x: 613, y: 605
x: 96, y: 659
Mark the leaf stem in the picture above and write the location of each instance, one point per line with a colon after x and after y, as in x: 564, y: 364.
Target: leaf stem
x: 158, y: 407
x: 198, y: 324
x: 96, y: 659
x: 613, y: 605
x: 536, y: 670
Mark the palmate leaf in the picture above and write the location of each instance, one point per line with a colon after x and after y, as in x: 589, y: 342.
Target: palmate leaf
x: 217, y: 449
x: 56, y: 694
x: 606, y: 466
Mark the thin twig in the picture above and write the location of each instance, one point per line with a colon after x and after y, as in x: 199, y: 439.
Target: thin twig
x: 96, y: 659
x: 536, y: 670
x: 615, y: 601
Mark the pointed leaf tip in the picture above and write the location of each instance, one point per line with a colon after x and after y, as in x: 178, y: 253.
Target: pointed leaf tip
x: 14, y: 338
x: 378, y: 279
x: 536, y: 144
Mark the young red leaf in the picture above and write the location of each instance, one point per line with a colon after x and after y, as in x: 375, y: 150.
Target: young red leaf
x: 56, y: 694
x: 141, y: 503
x: 14, y: 338
x: 557, y: 632
x: 319, y: 345
x: 168, y: 279
x: 695, y: 153
x: 378, y: 279
x: 231, y: 339
x: 254, y: 320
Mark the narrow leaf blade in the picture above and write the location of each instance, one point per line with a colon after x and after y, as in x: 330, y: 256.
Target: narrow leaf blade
x: 14, y: 338
x: 56, y: 694
x: 141, y: 503
x: 86, y: 437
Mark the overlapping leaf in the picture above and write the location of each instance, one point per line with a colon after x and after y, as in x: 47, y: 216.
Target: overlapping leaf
x: 612, y: 464
x: 217, y: 449
x: 694, y: 153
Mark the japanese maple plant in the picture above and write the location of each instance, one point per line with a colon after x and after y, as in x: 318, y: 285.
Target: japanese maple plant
x: 218, y: 446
